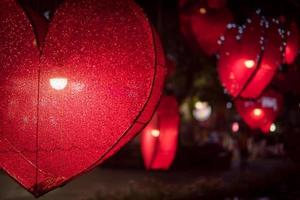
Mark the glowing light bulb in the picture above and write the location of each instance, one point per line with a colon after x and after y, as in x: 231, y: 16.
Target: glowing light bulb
x: 249, y: 64
x: 58, y: 83
x: 235, y: 127
x: 273, y: 127
x: 202, y: 111
x: 202, y: 11
x: 257, y: 112
x: 155, y: 133
x: 201, y: 105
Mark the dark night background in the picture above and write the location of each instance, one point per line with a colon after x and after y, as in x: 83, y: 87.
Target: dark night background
x: 201, y: 170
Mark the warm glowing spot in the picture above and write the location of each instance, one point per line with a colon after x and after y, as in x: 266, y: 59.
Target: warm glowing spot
x: 257, y: 112
x: 155, y: 133
x: 202, y: 11
x: 201, y: 105
x: 249, y: 64
x: 273, y: 128
x: 58, y: 83
x: 288, y: 50
x: 235, y: 127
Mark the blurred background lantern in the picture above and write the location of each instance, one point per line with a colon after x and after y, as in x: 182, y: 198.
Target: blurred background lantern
x: 202, y: 111
x: 250, y: 56
x: 203, y: 22
x: 159, y: 139
x: 235, y: 127
x: 78, y: 99
x: 292, y: 43
x: 261, y: 113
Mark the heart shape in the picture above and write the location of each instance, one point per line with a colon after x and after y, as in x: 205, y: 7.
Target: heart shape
x: 91, y: 89
x: 249, y: 57
x: 261, y: 113
x: 203, y: 24
x: 159, y: 139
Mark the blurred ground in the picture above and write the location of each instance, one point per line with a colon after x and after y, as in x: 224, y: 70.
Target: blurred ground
x: 262, y: 179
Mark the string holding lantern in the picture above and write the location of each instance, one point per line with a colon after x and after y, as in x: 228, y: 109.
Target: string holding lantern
x: 159, y: 139
x: 261, y: 113
x: 250, y: 56
x: 202, y: 22
x: 92, y: 87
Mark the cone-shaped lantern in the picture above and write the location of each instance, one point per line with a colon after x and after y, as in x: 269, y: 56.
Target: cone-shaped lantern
x: 70, y: 105
x: 159, y: 139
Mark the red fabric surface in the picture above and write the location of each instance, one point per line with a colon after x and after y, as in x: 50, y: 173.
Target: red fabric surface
x: 114, y: 67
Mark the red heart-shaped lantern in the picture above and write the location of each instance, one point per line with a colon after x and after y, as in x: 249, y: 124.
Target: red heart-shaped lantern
x: 260, y: 113
x: 204, y: 22
x: 91, y: 88
x: 250, y: 56
x: 292, y: 43
x: 159, y: 139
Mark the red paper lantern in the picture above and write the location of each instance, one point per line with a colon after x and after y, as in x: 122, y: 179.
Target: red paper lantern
x: 249, y: 56
x: 93, y: 86
x: 260, y: 114
x: 159, y: 139
x: 292, y: 43
x: 204, y: 22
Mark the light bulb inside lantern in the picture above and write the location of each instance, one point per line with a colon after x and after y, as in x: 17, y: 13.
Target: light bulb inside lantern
x: 273, y: 127
x: 202, y: 11
x: 249, y: 64
x: 257, y: 112
x: 58, y: 83
x: 155, y: 133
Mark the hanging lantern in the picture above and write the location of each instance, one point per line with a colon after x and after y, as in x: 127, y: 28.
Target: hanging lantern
x: 292, y: 43
x: 93, y: 86
x: 260, y: 114
x: 159, y: 139
x: 249, y: 56
x: 203, y: 23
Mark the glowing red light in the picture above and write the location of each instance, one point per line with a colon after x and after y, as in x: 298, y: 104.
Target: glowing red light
x: 195, y: 23
x: 261, y: 113
x: 159, y: 139
x: 242, y: 51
